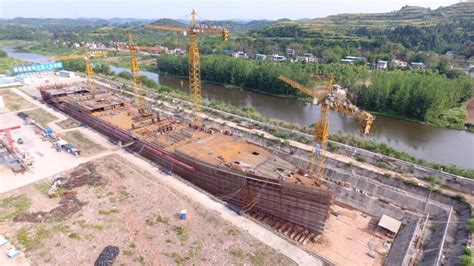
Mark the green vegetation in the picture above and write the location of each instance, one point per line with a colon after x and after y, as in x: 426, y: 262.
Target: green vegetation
x: 79, y: 65
x: 49, y: 50
x: 31, y: 237
x: 13, y: 206
x: 181, y: 232
x: 15, y: 102
x: 147, y: 82
x: 257, y: 258
x: 41, y: 116
x: 424, y: 96
x: 108, y: 212
x: 83, y: 142
x: 260, y: 76
x: 466, y: 259
x: 43, y: 188
x: 7, y: 64
x: 470, y: 225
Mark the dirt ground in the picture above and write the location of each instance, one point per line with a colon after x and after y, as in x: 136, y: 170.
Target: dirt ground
x: 348, y: 238
x: 112, y: 202
x: 13, y: 101
x: 470, y: 112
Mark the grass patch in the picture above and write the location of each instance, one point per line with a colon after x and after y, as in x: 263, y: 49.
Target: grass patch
x: 108, y: 212
x: 74, y: 235
x: 86, y: 145
x: 13, y: 206
x: 195, y: 250
x: 236, y: 252
x: 233, y: 231
x: 470, y: 225
x: 67, y: 124
x: 41, y: 117
x: 177, y: 258
x: 43, y: 188
x: 181, y: 232
x: 31, y: 238
x: 13, y: 101
x: 257, y: 258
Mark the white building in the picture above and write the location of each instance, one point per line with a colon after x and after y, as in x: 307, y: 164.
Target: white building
x: 240, y: 54
x: 259, y: 57
x: 66, y: 74
x: 417, y: 65
x: 399, y: 63
x: 382, y: 64
x: 278, y: 58
x: 307, y: 57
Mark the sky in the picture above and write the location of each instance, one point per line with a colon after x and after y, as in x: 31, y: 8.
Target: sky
x: 207, y: 9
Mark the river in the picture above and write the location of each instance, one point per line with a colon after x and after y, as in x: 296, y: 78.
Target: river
x: 423, y: 141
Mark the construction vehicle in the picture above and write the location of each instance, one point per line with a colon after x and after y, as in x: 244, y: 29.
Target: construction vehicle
x: 87, y: 57
x: 193, y: 57
x: 69, y: 148
x: 333, y: 97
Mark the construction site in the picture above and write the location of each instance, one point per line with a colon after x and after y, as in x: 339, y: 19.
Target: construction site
x: 129, y: 169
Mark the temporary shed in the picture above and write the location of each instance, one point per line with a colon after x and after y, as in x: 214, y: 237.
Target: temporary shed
x: 389, y: 223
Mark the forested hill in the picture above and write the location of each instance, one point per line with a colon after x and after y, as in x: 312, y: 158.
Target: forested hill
x: 408, y: 15
x: 234, y: 26
x: 415, y: 28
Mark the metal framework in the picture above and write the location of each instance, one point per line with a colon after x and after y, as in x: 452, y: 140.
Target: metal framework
x: 193, y: 57
x: 328, y: 99
x: 136, y: 76
x: 87, y: 57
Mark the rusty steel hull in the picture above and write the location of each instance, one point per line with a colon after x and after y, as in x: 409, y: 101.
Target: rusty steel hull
x: 300, y: 205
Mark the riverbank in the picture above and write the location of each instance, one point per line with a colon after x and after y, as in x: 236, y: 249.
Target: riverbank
x: 456, y: 113
x: 470, y: 114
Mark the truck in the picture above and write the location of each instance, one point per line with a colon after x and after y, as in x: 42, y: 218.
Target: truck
x: 68, y: 147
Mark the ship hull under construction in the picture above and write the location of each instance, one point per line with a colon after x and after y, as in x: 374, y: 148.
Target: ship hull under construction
x: 304, y: 207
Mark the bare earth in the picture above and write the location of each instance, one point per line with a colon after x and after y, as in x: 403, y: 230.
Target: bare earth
x: 348, y: 238
x: 470, y: 112
x: 119, y: 204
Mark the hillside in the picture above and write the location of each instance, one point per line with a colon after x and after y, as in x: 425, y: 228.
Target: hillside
x: 415, y: 28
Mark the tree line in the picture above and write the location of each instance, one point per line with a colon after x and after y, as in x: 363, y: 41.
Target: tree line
x: 426, y: 96
x: 261, y: 76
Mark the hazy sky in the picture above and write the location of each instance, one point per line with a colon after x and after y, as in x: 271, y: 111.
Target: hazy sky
x: 208, y: 9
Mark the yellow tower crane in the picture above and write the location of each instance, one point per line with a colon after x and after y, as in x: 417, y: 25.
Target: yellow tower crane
x: 136, y: 76
x: 193, y: 56
x: 87, y: 57
x: 334, y: 99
